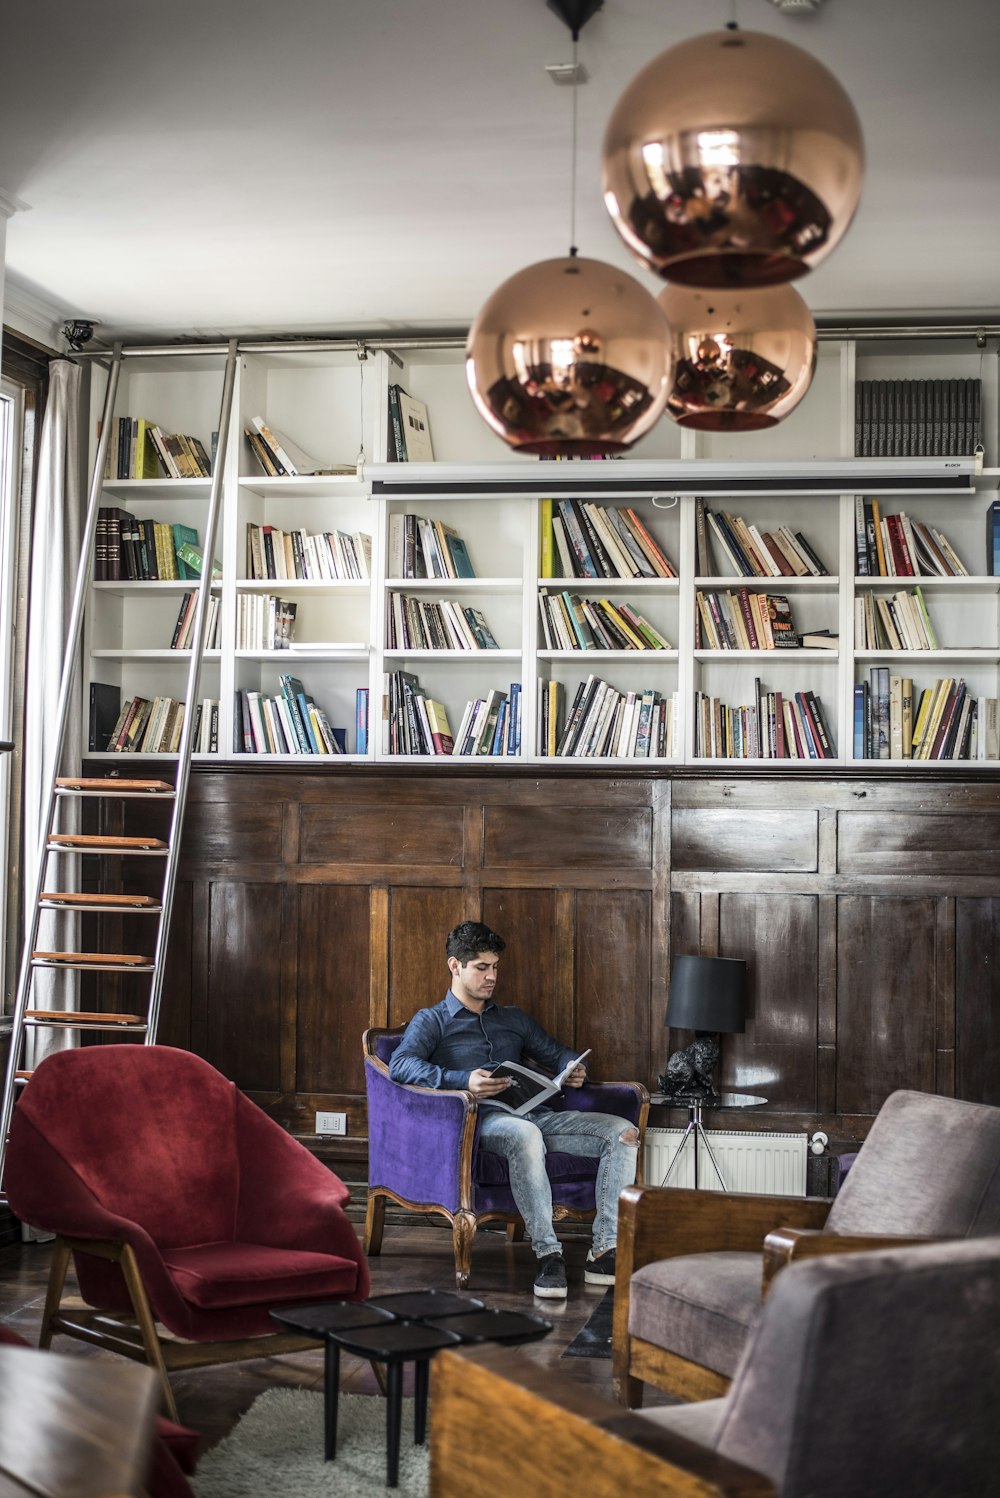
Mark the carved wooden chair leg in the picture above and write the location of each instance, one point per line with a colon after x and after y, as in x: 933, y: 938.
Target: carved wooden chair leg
x: 374, y: 1223
x: 515, y: 1231
x: 463, y: 1230
x: 53, y: 1294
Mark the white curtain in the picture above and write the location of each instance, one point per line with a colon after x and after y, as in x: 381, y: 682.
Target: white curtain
x: 57, y: 529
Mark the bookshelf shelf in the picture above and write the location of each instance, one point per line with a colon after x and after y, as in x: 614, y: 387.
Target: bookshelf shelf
x: 802, y: 475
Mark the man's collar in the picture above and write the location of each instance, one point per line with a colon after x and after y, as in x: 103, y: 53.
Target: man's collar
x: 455, y: 1005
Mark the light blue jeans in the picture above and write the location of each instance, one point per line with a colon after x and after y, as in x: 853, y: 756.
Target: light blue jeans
x: 523, y: 1143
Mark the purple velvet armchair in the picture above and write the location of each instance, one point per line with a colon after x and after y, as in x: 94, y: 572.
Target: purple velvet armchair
x: 423, y: 1154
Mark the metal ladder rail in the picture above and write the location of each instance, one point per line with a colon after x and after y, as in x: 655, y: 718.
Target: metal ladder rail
x: 73, y: 639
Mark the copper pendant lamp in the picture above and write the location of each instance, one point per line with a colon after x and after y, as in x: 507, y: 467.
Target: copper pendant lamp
x: 734, y: 159
x: 740, y: 361
x: 568, y: 357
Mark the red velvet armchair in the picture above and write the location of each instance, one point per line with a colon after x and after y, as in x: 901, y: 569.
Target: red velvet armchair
x: 181, y: 1203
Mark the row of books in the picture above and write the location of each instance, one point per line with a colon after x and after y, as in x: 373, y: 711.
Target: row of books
x: 279, y: 556
x: 288, y: 723
x: 148, y: 726
x: 420, y: 547
x: 949, y: 721
x: 901, y: 622
x: 143, y: 450
x: 605, y: 723
x: 742, y: 620
x: 491, y: 724
x: 126, y: 548
x: 898, y: 546
x: 415, y: 623
x: 184, y: 627
x: 570, y: 622
x: 409, y: 430
x: 583, y: 539
x: 916, y: 418
x: 777, y: 726
x: 993, y: 538
x: 412, y: 722
x: 264, y: 622
x: 749, y: 552
x: 280, y: 457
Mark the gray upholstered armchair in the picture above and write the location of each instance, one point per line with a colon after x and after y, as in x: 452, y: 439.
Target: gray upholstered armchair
x: 692, y: 1265
x: 423, y: 1154
x: 869, y: 1375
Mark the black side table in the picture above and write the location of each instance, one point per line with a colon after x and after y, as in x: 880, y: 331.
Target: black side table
x: 409, y: 1326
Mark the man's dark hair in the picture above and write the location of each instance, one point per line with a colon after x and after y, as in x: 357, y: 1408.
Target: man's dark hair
x: 471, y: 937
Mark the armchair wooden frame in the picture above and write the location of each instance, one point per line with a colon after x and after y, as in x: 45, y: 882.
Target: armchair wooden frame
x: 136, y: 1336
x: 656, y: 1222
x: 588, y: 1442
x: 465, y: 1219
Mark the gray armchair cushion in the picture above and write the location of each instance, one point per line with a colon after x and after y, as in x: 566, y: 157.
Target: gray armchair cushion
x: 873, y: 1375
x: 700, y: 1306
x: 930, y: 1166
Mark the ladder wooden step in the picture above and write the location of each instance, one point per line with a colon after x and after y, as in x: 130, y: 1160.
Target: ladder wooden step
x: 145, y: 903
x: 92, y: 959
x: 109, y: 785
x: 90, y: 843
x: 83, y: 1019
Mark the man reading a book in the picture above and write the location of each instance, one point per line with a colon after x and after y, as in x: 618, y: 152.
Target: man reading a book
x: 458, y: 1043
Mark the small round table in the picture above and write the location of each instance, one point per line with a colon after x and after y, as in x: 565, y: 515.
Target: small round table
x: 695, y: 1128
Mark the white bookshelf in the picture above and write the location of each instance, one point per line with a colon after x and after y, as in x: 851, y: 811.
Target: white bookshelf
x: 335, y: 406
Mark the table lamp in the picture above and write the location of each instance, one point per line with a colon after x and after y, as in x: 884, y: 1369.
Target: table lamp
x: 707, y: 995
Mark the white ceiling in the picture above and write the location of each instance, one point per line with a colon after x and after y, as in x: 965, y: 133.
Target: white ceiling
x: 330, y: 166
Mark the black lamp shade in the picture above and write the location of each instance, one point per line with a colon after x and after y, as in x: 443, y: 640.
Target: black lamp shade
x: 708, y: 993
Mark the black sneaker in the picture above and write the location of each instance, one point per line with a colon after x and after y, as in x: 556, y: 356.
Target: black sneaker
x: 600, y: 1271
x: 550, y: 1278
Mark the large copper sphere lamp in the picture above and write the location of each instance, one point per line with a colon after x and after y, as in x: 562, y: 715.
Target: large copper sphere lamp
x: 740, y: 361
x: 568, y: 357
x: 733, y: 159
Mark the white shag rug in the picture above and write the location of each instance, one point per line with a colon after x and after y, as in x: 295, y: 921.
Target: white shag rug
x: 277, y: 1448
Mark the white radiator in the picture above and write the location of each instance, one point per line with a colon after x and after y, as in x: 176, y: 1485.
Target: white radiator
x: 771, y: 1163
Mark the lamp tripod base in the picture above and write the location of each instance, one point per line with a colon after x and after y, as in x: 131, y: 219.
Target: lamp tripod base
x: 695, y: 1131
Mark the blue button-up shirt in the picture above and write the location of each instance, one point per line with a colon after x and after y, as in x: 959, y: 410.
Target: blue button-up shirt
x: 443, y: 1044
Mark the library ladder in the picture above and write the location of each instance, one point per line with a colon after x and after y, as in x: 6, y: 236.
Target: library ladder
x: 63, y: 791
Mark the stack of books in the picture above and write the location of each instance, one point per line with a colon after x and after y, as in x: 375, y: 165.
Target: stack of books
x: 148, y: 726
x: 132, y: 550
x: 949, y: 722
x: 605, y: 723
x: 742, y: 620
x: 264, y: 622
x: 336, y: 556
x: 898, y: 546
x: 776, y: 726
x: 491, y: 724
x: 901, y: 622
x: 583, y: 539
x: 419, y: 547
x: 415, y: 623
x: 409, y: 437
x: 184, y: 628
x: 412, y: 722
x: 280, y: 457
x: 143, y: 450
x: 917, y: 418
x: 570, y: 622
x: 288, y: 723
x: 748, y: 551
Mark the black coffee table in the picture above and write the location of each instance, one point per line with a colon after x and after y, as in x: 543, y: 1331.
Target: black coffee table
x: 407, y: 1327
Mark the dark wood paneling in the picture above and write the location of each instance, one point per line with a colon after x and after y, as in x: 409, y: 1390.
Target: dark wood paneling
x: 776, y: 1056
x: 613, y: 931
x: 244, y: 830
x: 977, y: 1000
x: 419, y: 921
x: 386, y: 835
x: 245, y: 980
x: 885, y: 1000
x: 536, y: 970
x: 332, y: 1010
x: 175, y: 1010
x: 568, y: 836
x: 735, y: 838
x: 920, y: 843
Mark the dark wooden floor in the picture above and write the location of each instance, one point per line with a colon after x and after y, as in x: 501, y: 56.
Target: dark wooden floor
x: 415, y: 1254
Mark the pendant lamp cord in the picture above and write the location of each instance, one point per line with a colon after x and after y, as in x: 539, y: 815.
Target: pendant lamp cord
x: 572, y: 171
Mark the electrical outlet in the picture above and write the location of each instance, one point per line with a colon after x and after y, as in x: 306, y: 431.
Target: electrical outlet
x: 331, y: 1123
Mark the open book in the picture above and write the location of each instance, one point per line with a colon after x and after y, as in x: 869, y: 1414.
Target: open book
x: 529, y: 1089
